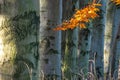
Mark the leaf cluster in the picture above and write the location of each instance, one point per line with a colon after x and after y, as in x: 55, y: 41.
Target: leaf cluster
x: 117, y: 2
x: 80, y: 18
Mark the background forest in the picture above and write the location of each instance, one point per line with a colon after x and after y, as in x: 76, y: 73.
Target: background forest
x: 59, y: 39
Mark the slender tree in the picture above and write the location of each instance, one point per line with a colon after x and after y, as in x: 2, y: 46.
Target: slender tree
x: 69, y: 60
x: 108, y: 38
x: 49, y: 40
x: 97, y: 45
x: 115, y: 56
x: 115, y: 40
x: 118, y: 73
x: 84, y: 46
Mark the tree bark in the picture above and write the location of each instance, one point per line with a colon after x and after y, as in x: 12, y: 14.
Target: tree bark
x: 97, y: 45
x: 49, y: 40
x: 18, y: 39
x: 108, y: 38
x: 115, y: 40
x: 69, y: 60
x: 84, y: 46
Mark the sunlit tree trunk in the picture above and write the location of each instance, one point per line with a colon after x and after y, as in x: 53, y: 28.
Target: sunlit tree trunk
x: 97, y: 45
x: 50, y: 40
x: 108, y: 38
x: 18, y: 48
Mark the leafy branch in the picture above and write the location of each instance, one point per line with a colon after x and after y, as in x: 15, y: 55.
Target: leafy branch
x: 81, y: 17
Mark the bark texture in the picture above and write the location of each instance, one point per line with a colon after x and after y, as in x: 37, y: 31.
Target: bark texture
x: 108, y: 37
x: 50, y: 41
x: 18, y: 39
x: 115, y: 41
x: 84, y: 46
x: 71, y: 40
x: 97, y: 45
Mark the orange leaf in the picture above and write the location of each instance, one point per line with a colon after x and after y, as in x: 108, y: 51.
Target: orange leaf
x: 80, y: 17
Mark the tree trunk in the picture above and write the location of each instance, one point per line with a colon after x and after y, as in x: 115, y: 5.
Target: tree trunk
x: 97, y: 46
x: 50, y: 41
x: 84, y: 46
x: 116, y: 55
x: 18, y: 46
x: 115, y: 64
x: 115, y: 40
x: 69, y: 60
x: 108, y: 38
x: 118, y: 72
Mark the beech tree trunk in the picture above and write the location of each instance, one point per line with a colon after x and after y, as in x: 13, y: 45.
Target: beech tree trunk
x: 70, y: 55
x: 115, y: 41
x: 116, y: 55
x: 84, y: 51
x: 18, y: 39
x: 50, y: 40
x: 97, y: 45
x: 108, y: 38
x: 84, y: 46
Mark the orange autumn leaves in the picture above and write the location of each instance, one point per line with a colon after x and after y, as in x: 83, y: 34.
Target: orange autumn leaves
x: 117, y: 2
x: 80, y: 18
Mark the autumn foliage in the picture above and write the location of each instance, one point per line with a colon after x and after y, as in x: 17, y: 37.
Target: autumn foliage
x: 80, y: 18
x: 117, y: 2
